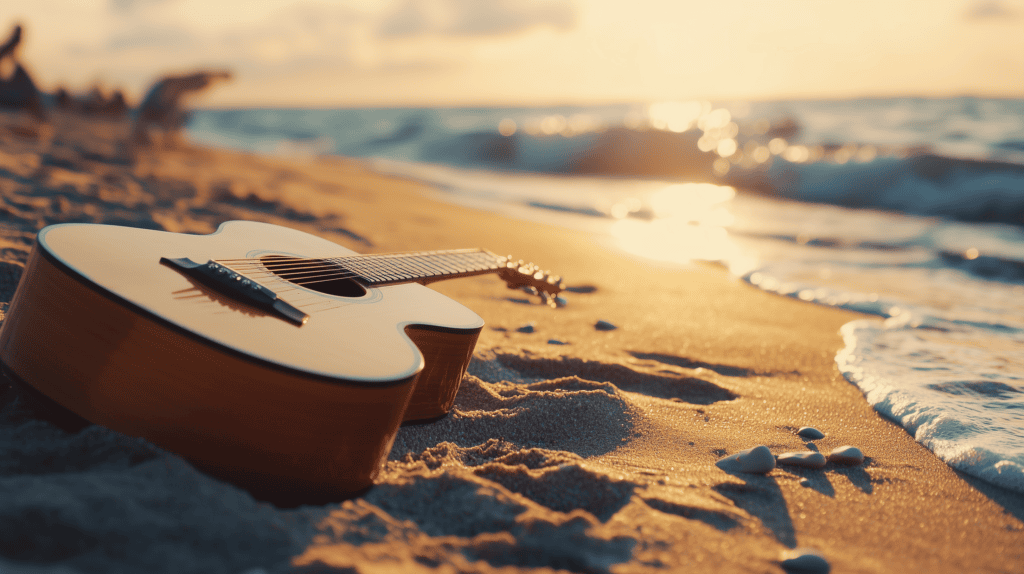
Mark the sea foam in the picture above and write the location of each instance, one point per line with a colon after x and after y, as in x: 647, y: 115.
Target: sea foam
x: 954, y: 387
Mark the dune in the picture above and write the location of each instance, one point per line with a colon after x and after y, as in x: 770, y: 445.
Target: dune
x: 597, y: 454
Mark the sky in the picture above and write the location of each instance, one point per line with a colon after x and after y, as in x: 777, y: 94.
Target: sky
x: 529, y: 52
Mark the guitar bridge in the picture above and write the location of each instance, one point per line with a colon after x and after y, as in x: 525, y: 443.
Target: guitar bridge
x: 237, y: 286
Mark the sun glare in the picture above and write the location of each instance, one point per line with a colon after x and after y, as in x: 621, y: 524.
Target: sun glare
x: 676, y: 116
x: 689, y: 223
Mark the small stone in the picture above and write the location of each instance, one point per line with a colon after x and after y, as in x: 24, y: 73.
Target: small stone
x: 846, y: 455
x: 757, y: 460
x: 804, y: 561
x: 556, y: 342
x: 528, y: 327
x: 810, y: 433
x: 806, y: 459
x: 604, y: 326
x: 805, y: 481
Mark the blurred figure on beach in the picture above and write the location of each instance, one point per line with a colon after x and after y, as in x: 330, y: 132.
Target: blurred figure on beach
x: 163, y: 107
x: 96, y: 103
x: 17, y: 90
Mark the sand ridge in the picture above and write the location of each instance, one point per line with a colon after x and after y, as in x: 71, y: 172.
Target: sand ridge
x: 593, y: 456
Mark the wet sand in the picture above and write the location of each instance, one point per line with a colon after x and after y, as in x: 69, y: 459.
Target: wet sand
x: 596, y: 455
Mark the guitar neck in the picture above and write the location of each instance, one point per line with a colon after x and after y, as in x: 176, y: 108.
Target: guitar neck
x: 387, y: 269
x: 420, y: 267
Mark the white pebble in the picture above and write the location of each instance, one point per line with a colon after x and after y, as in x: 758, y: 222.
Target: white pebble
x: 806, y: 459
x: 604, y: 326
x: 527, y: 328
x: 804, y: 561
x: 846, y: 455
x: 810, y: 432
x: 757, y: 460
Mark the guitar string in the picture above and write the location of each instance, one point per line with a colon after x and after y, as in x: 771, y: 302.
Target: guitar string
x: 337, y: 272
x: 428, y: 268
x: 397, y: 275
x: 378, y: 255
x: 367, y: 273
x: 398, y: 266
x: 370, y: 262
x: 318, y: 269
x: 307, y: 271
x: 376, y: 269
x: 288, y: 274
x: 312, y: 279
x: 282, y: 284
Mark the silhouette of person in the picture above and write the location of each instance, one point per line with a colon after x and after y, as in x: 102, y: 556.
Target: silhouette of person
x: 162, y: 106
x: 19, y: 91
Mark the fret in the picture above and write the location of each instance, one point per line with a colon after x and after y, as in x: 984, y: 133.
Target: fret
x: 364, y: 266
x: 434, y: 265
x: 421, y: 266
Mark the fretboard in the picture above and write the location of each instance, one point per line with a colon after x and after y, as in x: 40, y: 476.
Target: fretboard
x: 423, y: 266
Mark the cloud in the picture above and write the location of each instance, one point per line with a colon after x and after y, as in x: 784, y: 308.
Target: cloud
x: 991, y: 10
x: 138, y: 40
x: 128, y: 6
x: 167, y: 38
x: 475, y: 18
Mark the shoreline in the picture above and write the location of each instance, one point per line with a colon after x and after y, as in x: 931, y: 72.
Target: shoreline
x: 700, y: 365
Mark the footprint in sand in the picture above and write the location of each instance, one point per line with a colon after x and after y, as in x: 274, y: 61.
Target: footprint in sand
x: 687, y: 389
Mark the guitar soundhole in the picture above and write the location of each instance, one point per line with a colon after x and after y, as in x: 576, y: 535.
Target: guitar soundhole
x: 321, y: 276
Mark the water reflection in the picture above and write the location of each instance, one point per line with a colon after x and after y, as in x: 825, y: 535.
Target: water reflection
x: 689, y: 223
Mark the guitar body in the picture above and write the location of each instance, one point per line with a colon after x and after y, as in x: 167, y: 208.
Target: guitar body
x: 104, y: 329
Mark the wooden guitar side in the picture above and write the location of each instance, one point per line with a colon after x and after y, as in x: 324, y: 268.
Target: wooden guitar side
x: 260, y: 423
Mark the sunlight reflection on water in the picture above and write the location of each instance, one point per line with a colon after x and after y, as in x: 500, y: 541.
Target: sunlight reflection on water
x: 690, y: 221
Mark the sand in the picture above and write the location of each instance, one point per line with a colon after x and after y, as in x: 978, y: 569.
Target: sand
x: 597, y: 455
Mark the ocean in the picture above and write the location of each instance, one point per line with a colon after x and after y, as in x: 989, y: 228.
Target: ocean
x: 908, y: 210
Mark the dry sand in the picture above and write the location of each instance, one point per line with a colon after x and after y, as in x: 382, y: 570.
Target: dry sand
x: 594, y: 456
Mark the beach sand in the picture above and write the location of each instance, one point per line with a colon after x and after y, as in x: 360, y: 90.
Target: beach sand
x: 596, y: 455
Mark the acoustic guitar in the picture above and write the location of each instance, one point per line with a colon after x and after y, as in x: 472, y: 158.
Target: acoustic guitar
x: 266, y: 356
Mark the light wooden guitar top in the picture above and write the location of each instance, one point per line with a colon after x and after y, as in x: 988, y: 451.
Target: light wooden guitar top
x: 357, y: 339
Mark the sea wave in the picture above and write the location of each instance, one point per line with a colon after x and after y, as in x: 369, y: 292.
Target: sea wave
x: 956, y: 158
x: 926, y: 184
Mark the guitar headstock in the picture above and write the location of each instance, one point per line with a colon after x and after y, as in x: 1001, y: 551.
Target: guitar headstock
x: 519, y: 274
